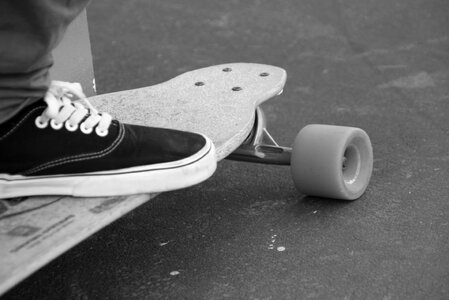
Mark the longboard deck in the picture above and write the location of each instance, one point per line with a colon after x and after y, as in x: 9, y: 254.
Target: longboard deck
x: 218, y: 101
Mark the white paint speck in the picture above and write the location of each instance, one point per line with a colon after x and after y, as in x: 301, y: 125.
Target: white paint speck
x: 272, y: 242
x: 174, y: 273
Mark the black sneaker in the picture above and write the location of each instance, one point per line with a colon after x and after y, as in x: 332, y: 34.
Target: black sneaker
x: 60, y: 147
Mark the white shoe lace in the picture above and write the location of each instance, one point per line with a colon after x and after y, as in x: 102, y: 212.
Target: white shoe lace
x: 62, y: 111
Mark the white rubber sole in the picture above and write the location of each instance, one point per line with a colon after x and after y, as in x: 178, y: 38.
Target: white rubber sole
x: 154, y: 178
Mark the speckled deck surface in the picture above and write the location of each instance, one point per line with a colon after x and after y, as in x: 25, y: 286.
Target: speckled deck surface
x: 218, y: 101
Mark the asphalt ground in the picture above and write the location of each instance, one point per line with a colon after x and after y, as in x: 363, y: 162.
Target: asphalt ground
x: 247, y: 233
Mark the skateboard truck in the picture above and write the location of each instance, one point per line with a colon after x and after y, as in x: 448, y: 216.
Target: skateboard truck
x: 325, y: 160
x: 260, y: 146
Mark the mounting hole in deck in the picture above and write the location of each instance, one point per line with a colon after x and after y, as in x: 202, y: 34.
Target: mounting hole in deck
x: 264, y: 74
x: 227, y: 70
x: 199, y: 83
x: 237, y: 88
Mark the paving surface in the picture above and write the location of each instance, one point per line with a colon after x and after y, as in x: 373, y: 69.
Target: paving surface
x: 246, y: 233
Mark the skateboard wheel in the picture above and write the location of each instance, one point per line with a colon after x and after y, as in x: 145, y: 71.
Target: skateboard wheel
x: 332, y: 161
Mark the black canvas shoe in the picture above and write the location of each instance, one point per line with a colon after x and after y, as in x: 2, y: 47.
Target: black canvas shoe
x: 60, y: 147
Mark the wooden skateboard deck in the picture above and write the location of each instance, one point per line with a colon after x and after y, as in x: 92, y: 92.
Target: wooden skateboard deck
x: 218, y: 101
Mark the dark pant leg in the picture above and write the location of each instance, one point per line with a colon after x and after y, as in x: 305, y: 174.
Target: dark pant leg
x: 29, y: 31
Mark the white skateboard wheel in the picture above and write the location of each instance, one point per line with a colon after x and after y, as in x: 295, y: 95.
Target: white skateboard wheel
x: 332, y: 161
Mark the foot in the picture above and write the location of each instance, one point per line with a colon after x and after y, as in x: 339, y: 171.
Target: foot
x: 60, y: 147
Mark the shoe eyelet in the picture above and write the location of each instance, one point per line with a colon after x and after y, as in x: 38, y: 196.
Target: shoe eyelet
x: 55, y: 125
x: 101, y: 133
x: 39, y: 123
x: 85, y: 130
x: 71, y: 127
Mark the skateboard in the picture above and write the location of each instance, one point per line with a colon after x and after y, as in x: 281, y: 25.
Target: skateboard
x: 222, y: 102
